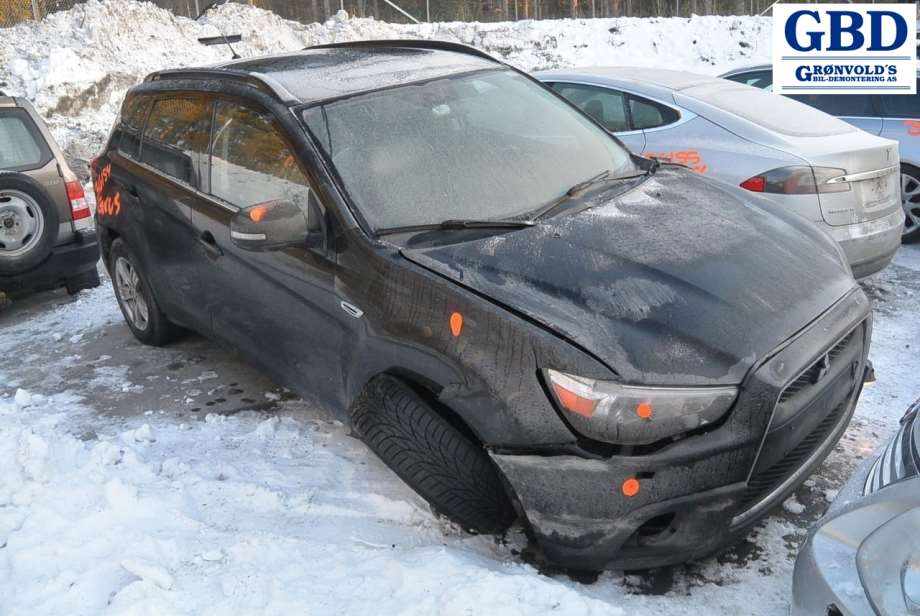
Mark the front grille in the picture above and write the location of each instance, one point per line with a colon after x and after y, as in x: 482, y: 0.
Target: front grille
x: 767, y: 480
x: 807, y: 378
x: 810, y: 414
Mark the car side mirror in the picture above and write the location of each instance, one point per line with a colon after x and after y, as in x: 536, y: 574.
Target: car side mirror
x: 278, y: 224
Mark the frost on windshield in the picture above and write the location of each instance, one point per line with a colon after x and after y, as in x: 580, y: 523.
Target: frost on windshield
x: 485, y: 145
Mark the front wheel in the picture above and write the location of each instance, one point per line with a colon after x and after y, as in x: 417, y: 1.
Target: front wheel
x: 450, y: 471
x: 135, y: 298
x: 910, y: 201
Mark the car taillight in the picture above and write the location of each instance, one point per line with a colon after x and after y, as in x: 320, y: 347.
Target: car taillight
x: 798, y: 181
x: 79, y: 208
x: 755, y: 184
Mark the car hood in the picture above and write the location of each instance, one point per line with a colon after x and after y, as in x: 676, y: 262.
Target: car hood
x: 680, y: 280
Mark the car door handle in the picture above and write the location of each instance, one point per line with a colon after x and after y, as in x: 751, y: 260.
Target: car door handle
x: 209, y: 242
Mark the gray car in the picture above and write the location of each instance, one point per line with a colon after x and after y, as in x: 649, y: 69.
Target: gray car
x: 806, y: 161
x: 863, y: 556
x: 47, y: 235
x: 893, y: 116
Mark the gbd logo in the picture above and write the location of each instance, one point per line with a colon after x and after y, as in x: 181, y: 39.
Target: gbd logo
x: 844, y: 48
x: 846, y: 30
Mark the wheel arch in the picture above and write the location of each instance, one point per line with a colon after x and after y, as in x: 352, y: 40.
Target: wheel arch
x: 107, y: 237
x: 428, y: 386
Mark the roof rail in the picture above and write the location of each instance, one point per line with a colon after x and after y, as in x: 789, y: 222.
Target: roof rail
x: 260, y: 82
x: 410, y: 44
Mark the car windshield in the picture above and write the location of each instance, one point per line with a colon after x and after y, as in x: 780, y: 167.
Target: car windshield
x: 489, y: 145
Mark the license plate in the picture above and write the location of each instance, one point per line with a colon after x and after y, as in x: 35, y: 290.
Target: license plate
x: 880, y: 191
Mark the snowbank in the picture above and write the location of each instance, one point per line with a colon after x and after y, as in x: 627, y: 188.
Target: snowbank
x: 76, y: 65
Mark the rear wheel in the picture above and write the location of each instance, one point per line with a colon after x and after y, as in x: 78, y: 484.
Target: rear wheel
x: 910, y: 201
x: 135, y: 298
x: 28, y: 223
x: 450, y: 471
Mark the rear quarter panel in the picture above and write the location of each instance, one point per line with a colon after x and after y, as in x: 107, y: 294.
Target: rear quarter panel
x: 720, y: 154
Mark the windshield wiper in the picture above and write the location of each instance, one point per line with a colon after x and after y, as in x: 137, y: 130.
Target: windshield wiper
x: 460, y: 224
x: 574, y: 191
x: 585, y: 185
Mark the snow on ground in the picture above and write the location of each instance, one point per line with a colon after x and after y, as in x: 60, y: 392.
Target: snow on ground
x: 180, y: 481
x: 76, y: 65
x: 121, y: 493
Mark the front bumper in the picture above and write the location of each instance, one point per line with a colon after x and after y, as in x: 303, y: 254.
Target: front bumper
x: 65, y: 261
x: 870, y: 246
x: 700, y: 493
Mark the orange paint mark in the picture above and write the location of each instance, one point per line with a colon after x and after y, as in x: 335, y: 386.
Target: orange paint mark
x: 456, y: 324
x: 257, y: 213
x: 110, y: 206
x: 99, y: 183
x: 687, y: 158
x: 913, y: 127
x: 630, y: 487
x: 644, y: 410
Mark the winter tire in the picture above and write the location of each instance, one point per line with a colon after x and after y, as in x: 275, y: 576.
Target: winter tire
x: 450, y: 471
x: 28, y: 223
x: 136, y: 300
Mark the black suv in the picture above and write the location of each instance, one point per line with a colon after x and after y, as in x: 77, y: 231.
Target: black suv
x: 518, y: 316
x: 46, y: 226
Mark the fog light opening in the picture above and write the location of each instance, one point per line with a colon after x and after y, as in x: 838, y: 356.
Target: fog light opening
x: 657, y: 526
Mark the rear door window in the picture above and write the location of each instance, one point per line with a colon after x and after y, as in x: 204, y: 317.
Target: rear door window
x: 21, y: 144
x: 841, y: 105
x: 176, y: 137
x: 133, y: 116
x: 646, y: 114
x: 251, y: 162
x: 606, y: 107
x: 902, y: 105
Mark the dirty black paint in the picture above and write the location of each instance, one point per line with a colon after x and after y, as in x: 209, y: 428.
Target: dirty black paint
x: 677, y: 280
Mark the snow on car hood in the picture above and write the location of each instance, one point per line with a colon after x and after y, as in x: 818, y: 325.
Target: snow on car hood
x: 681, y: 280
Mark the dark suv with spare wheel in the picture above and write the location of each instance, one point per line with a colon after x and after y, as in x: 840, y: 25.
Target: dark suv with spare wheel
x: 518, y: 316
x: 47, y: 237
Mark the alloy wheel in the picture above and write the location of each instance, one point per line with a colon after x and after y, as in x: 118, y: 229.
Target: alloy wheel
x: 128, y: 284
x: 910, y: 201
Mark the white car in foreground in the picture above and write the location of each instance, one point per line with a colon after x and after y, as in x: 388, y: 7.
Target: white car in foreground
x: 842, y: 178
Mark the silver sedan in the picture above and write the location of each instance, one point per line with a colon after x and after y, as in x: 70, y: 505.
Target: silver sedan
x: 841, y: 178
x: 863, y: 556
x: 894, y: 116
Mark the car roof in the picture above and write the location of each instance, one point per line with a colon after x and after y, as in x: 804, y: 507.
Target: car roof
x: 663, y: 78
x: 332, y: 71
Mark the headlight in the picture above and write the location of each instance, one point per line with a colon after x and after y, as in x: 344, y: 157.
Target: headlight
x: 888, y: 562
x: 628, y: 415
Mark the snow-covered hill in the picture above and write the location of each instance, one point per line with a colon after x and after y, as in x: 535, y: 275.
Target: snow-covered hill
x: 76, y: 65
